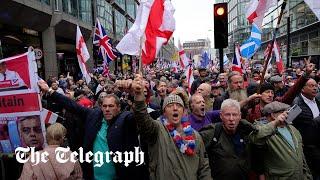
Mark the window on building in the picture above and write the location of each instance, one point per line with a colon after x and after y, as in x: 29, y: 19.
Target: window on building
x: 121, y: 3
x: 85, y: 10
x: 104, y: 13
x: 120, y: 24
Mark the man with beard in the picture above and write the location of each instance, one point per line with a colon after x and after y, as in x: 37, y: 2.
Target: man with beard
x: 199, y: 117
x: 175, y: 149
x: 205, y: 89
x: 235, y: 91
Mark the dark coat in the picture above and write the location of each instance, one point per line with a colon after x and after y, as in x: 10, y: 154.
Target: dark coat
x: 310, y: 132
x: 122, y: 136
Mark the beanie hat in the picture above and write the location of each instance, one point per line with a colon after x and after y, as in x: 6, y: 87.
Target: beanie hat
x: 266, y: 86
x: 172, y: 98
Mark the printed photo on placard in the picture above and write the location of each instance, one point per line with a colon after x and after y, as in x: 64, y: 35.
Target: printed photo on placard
x: 17, y: 72
x: 21, y: 132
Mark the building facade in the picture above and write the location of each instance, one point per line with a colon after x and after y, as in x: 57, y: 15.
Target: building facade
x: 196, y: 48
x: 238, y: 26
x: 303, y: 34
x: 50, y: 26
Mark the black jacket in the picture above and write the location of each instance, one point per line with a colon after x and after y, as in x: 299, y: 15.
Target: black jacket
x: 310, y: 132
x: 122, y: 136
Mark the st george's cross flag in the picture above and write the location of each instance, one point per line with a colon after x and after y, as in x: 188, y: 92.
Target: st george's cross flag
x: 82, y: 55
x: 153, y: 28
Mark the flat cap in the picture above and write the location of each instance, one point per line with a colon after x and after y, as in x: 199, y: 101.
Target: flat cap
x: 275, y: 107
x: 275, y: 79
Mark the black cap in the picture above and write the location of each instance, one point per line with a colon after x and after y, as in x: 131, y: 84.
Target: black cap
x: 266, y: 86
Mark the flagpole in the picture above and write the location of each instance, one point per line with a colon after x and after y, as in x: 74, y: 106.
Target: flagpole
x: 272, y: 42
x: 140, y: 56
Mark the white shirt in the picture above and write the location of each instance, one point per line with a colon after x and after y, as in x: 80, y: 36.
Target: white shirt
x: 13, y: 76
x: 312, y: 105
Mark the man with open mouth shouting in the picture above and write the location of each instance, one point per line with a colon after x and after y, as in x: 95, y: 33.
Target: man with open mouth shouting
x: 176, y: 150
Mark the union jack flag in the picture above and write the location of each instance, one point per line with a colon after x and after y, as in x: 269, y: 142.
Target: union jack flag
x: 105, y: 72
x: 101, y: 40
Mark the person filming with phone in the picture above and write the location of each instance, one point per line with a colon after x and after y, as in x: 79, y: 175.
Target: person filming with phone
x: 283, y: 155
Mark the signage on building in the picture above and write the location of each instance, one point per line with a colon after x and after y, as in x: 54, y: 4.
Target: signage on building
x: 38, y: 53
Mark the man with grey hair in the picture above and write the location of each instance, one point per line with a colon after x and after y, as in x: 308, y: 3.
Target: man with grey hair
x: 226, y: 143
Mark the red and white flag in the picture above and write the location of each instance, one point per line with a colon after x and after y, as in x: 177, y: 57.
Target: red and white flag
x: 184, y: 60
x: 256, y: 10
x: 279, y: 61
x: 189, y: 77
x: 174, y: 67
x: 82, y: 54
x: 48, y: 117
x: 153, y: 27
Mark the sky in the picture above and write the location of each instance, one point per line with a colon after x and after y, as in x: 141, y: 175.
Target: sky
x: 194, y: 20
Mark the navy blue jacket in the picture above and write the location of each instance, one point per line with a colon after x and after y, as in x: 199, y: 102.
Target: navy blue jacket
x: 122, y: 136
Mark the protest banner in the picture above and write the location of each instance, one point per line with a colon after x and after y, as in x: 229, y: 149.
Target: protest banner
x: 20, y: 104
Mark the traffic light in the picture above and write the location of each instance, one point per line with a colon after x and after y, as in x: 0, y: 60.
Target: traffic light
x: 220, y: 25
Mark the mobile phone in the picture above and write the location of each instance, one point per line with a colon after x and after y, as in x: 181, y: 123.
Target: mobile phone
x: 293, y: 112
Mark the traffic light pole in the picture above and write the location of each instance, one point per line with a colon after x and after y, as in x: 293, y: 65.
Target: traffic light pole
x: 221, y: 60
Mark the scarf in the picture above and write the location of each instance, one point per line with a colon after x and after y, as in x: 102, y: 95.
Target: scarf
x: 186, y: 144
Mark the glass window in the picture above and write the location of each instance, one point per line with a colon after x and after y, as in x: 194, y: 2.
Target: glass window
x: 120, y: 24
x: 121, y: 3
x: 104, y: 13
x: 85, y: 10
x: 70, y: 7
x: 131, y: 8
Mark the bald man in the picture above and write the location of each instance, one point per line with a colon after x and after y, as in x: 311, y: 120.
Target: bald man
x: 205, y: 89
x: 199, y: 117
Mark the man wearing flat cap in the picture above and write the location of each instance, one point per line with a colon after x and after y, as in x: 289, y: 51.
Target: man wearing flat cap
x: 283, y: 155
x: 279, y: 87
x: 175, y: 149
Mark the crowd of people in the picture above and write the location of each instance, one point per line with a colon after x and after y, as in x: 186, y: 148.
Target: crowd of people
x: 225, y: 126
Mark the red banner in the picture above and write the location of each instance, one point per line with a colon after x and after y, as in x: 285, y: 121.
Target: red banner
x: 19, y: 103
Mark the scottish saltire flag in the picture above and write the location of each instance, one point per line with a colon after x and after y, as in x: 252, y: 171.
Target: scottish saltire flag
x: 236, y: 62
x: 225, y: 60
x: 251, y: 45
x: 101, y: 40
